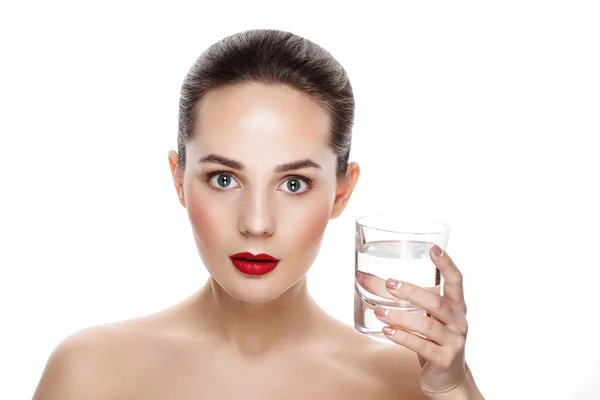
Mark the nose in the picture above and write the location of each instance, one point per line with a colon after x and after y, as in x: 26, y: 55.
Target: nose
x: 256, y: 218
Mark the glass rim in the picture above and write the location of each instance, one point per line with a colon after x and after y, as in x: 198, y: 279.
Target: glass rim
x: 444, y: 228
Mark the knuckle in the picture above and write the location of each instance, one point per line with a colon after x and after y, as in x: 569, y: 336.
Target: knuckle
x: 463, y: 327
x: 460, y: 343
x: 399, y: 319
x: 404, y: 339
x: 402, y: 317
x: 420, y: 346
x: 430, y: 325
x: 409, y: 291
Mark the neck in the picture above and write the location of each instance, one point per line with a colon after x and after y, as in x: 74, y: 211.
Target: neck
x: 252, y: 329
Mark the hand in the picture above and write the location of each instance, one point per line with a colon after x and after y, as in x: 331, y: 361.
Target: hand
x: 442, y: 351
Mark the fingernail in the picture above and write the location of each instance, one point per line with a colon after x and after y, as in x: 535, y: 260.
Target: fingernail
x: 388, y: 331
x: 437, y: 251
x: 381, y: 312
x: 393, y: 284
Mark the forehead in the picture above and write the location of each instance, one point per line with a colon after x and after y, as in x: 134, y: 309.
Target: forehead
x: 257, y: 120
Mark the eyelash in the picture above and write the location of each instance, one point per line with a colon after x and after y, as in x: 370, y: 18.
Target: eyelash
x: 210, y: 175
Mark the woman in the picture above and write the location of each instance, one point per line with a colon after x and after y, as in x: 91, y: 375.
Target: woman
x: 262, y: 166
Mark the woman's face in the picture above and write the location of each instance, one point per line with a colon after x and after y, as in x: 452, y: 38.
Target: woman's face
x: 248, y: 205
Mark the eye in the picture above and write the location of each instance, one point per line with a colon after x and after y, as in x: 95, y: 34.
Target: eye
x: 222, y: 181
x: 294, y: 185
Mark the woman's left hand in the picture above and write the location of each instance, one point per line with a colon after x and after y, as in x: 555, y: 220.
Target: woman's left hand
x: 442, y: 351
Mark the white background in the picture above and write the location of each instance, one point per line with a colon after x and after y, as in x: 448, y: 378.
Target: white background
x: 482, y: 115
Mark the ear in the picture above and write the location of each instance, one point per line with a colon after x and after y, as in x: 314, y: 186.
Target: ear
x: 177, y: 175
x: 344, y: 189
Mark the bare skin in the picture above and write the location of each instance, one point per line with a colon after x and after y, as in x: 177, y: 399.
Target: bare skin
x: 242, y: 336
x: 164, y: 356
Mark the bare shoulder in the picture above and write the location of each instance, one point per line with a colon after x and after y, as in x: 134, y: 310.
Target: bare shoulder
x: 107, y: 361
x: 392, y: 369
x: 82, y: 365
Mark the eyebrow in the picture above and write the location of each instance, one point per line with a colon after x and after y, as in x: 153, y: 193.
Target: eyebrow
x: 228, y: 162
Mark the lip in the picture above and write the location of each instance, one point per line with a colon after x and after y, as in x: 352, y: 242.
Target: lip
x: 254, y: 267
x: 251, y: 264
x: 258, y: 257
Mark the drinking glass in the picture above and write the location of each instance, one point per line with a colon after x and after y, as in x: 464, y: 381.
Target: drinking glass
x: 393, y: 246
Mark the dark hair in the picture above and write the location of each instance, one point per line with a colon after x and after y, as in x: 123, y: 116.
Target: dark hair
x: 271, y: 57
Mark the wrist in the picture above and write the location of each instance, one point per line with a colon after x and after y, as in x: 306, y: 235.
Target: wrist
x: 466, y: 390
x: 461, y: 392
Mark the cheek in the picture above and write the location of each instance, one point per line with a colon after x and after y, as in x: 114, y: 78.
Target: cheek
x: 198, y: 213
x: 310, y: 225
x: 204, y: 219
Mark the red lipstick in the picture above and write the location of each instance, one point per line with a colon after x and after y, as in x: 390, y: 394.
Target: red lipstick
x: 250, y: 264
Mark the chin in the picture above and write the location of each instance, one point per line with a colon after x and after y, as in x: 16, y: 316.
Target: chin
x: 257, y: 292
x: 258, y: 289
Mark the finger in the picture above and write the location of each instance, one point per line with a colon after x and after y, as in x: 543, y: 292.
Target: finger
x: 432, y: 352
x: 376, y: 285
x: 421, y: 324
x: 436, y: 305
x: 453, y: 278
x: 373, y: 284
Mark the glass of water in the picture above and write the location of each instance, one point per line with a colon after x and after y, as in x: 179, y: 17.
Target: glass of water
x: 393, y: 246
